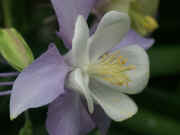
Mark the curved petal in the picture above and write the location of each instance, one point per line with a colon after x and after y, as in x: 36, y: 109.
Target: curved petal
x: 68, y: 116
x: 67, y: 12
x: 68, y: 58
x: 116, y: 105
x: 79, y: 81
x: 139, y: 77
x: 40, y: 83
x: 133, y: 38
x: 101, y: 120
x: 79, y: 43
x: 111, y: 29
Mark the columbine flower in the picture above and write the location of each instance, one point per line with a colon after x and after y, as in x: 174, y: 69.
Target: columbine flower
x: 142, y: 12
x: 90, y: 70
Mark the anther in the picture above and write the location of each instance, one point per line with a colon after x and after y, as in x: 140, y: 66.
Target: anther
x: 111, y: 68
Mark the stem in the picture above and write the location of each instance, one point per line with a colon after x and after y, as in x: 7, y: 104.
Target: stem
x: 27, y: 129
x: 6, y: 6
x: 26, y: 114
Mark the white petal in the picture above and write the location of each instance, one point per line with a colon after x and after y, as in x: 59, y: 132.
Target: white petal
x: 139, y: 77
x: 79, y: 81
x: 112, y: 28
x: 116, y: 105
x: 79, y: 53
x: 69, y: 60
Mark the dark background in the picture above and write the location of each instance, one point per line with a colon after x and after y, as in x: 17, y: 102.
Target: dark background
x: 159, y: 104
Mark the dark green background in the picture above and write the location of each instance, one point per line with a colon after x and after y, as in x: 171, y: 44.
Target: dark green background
x: 159, y: 104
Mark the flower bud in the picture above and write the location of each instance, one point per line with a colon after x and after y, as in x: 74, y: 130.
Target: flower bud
x: 14, y: 49
x: 141, y: 12
x: 143, y: 24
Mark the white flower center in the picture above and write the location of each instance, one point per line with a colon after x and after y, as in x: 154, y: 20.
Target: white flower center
x: 111, y: 67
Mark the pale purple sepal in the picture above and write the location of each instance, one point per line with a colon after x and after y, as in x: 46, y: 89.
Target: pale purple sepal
x: 67, y: 12
x: 68, y: 116
x: 101, y: 119
x: 133, y: 38
x: 40, y: 83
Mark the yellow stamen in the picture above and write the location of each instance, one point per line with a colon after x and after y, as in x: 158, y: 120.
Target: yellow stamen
x: 111, y: 68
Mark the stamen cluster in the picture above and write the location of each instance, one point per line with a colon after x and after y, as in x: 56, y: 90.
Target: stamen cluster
x: 111, y: 67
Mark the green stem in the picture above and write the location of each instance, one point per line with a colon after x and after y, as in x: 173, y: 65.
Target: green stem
x: 26, y: 114
x: 6, y: 6
x: 27, y: 129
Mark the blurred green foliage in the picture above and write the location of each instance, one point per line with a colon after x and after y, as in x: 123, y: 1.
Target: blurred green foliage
x: 159, y: 104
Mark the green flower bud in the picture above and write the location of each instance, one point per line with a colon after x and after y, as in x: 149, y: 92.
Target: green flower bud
x: 143, y: 24
x: 14, y: 49
x: 141, y: 12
